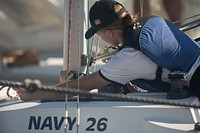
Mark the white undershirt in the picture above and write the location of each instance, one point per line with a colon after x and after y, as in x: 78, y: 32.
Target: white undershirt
x: 129, y: 64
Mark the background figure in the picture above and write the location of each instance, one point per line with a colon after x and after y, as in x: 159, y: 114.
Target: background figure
x: 191, y: 8
x: 173, y: 8
x: 28, y: 28
x: 20, y: 57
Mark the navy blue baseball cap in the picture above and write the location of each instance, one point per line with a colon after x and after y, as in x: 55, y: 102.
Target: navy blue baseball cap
x: 103, y: 13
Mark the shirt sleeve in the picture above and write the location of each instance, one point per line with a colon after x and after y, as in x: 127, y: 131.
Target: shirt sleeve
x: 128, y: 64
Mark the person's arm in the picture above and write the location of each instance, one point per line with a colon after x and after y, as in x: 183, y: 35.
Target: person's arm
x: 92, y: 81
x: 87, y: 83
x: 38, y: 95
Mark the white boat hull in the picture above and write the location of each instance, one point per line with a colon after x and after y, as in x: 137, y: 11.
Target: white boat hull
x: 96, y: 116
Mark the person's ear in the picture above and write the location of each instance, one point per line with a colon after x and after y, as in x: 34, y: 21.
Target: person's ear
x: 109, y: 32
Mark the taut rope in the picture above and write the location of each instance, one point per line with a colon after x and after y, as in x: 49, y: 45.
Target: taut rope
x: 109, y: 96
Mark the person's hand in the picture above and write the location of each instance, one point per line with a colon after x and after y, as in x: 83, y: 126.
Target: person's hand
x: 38, y: 95
x: 26, y: 96
x: 31, y: 93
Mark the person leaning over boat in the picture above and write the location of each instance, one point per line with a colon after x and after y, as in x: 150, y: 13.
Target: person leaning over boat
x: 148, y: 42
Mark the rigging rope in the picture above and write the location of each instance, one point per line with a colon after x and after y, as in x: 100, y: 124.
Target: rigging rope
x: 68, y: 52
x: 109, y: 96
x: 141, y: 7
x: 79, y: 59
x: 69, y: 36
x: 96, y: 51
x: 186, y: 18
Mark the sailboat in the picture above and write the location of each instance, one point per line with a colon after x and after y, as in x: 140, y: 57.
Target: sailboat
x: 131, y: 113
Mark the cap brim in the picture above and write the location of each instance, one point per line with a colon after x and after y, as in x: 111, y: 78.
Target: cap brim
x: 90, y: 32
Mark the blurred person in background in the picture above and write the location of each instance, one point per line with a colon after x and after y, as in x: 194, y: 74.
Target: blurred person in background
x: 28, y: 28
x: 173, y: 8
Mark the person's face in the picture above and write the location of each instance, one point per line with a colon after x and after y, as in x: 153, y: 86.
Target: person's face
x: 111, y: 36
